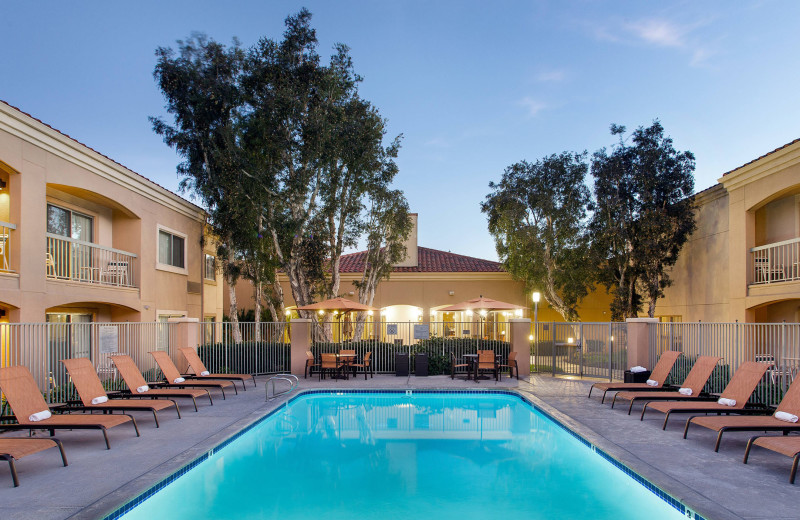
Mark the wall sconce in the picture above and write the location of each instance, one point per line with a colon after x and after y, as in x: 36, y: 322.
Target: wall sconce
x: 570, y: 340
x: 451, y: 293
x: 321, y: 312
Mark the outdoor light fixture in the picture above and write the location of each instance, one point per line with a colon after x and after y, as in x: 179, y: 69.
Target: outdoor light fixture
x: 518, y: 313
x: 530, y: 338
x: 469, y: 313
x: 536, y: 296
x: 369, y: 313
x: 570, y: 340
x: 451, y: 293
x: 321, y: 312
x: 483, y: 313
x: 288, y: 312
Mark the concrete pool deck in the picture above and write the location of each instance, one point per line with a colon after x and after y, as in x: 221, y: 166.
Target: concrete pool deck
x: 716, y: 485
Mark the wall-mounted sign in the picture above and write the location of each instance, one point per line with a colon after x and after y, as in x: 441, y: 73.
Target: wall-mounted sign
x: 422, y: 331
x: 465, y: 332
x: 391, y: 329
x: 109, y: 339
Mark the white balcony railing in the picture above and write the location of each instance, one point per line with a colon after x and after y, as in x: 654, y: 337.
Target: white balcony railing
x: 76, y: 260
x: 5, y: 241
x: 778, y: 262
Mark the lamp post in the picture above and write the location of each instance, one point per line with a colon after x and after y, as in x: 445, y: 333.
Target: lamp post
x: 536, y: 296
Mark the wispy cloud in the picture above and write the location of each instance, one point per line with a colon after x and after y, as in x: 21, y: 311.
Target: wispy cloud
x: 659, y: 32
x: 438, y: 142
x: 532, y: 105
x: 551, y: 76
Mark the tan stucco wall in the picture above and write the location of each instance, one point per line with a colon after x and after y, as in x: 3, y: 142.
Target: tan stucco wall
x: 127, y: 209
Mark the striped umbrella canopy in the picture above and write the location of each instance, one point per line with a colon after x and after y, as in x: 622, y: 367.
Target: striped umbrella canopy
x: 481, y: 304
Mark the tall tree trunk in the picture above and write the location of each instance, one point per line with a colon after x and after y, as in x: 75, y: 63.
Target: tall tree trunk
x: 258, y: 296
x: 233, y: 311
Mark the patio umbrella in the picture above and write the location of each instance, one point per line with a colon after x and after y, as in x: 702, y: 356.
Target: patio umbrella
x: 481, y: 304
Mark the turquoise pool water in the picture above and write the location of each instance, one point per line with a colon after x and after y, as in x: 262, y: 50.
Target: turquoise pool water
x: 393, y: 456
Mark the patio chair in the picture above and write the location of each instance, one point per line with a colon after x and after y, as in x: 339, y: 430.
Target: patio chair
x: 309, y: 364
x: 135, y: 382
x: 173, y: 376
x: 455, y: 366
x: 365, y: 365
x: 785, y: 445
x: 13, y: 449
x: 200, y: 371
x: 487, y: 362
x: 750, y: 423
x: 511, y: 364
x: 330, y: 362
x: 26, y: 401
x: 695, y: 380
x: 659, y: 375
x: 739, y: 389
x: 89, y: 388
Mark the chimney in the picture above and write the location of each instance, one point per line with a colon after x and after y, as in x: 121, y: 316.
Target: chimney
x: 412, y: 258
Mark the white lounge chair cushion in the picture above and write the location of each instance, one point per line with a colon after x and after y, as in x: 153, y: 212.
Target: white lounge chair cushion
x: 652, y: 382
x: 204, y: 373
x: 142, y: 389
x: 40, y: 416
x: 685, y: 391
x: 637, y: 369
x: 726, y: 401
x: 179, y: 380
x: 100, y: 400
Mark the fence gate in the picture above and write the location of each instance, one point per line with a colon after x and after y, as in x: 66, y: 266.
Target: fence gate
x: 579, y: 349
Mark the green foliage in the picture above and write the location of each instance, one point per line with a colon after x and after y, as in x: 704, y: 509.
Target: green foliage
x: 537, y: 216
x: 643, y: 214
x: 247, y: 357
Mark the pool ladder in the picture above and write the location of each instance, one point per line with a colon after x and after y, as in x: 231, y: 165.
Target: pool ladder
x: 289, y: 378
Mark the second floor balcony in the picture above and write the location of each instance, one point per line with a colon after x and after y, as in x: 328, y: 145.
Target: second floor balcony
x: 79, y: 261
x: 777, y: 262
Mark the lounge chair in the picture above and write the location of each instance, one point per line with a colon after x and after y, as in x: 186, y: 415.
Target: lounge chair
x: 659, y: 375
x: 89, y: 387
x: 790, y: 404
x: 455, y: 366
x: 739, y: 389
x: 511, y: 365
x: 135, y: 381
x: 13, y: 449
x: 487, y: 362
x: 26, y: 400
x: 200, y: 371
x: 695, y: 380
x: 309, y: 364
x: 365, y: 365
x: 785, y: 445
x: 175, y: 380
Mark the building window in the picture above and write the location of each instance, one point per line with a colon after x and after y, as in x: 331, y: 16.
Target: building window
x: 170, y: 249
x: 68, y: 223
x: 210, y: 272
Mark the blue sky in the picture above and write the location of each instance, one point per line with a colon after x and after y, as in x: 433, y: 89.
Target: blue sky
x: 473, y: 86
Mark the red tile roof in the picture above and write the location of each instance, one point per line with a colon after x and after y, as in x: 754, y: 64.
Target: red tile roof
x: 98, y: 153
x: 430, y: 261
x: 761, y: 157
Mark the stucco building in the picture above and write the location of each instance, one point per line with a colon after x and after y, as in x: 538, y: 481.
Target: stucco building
x: 85, y: 239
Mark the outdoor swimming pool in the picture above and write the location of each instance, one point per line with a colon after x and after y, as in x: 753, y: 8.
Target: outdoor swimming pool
x: 392, y: 455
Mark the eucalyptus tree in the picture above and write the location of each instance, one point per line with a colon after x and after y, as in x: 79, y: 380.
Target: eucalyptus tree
x: 537, y: 216
x: 643, y: 216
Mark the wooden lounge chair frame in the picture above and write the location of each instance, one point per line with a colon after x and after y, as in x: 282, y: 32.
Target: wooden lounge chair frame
x: 696, y: 379
x: 171, y: 373
x: 25, y: 399
x: 774, y: 443
x: 790, y: 403
x: 89, y: 386
x: 660, y: 373
x: 740, y: 388
x: 13, y: 449
x: 196, y: 364
x: 134, y: 379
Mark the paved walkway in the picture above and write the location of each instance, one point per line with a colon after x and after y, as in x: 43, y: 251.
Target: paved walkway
x: 717, y: 485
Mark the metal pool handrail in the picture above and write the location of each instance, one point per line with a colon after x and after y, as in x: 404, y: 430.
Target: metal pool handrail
x: 292, y: 380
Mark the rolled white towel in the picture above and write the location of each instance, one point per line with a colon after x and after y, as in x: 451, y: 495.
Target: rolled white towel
x: 726, y: 401
x: 685, y: 391
x: 179, y: 380
x: 142, y: 389
x: 204, y: 373
x: 100, y: 400
x: 785, y: 416
x: 652, y: 382
x: 40, y: 416
x: 637, y: 369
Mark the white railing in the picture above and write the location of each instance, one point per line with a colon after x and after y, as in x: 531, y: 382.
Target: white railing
x: 79, y: 261
x: 581, y: 349
x: 776, y: 344
x: 437, y: 340
x: 778, y: 262
x: 5, y: 244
